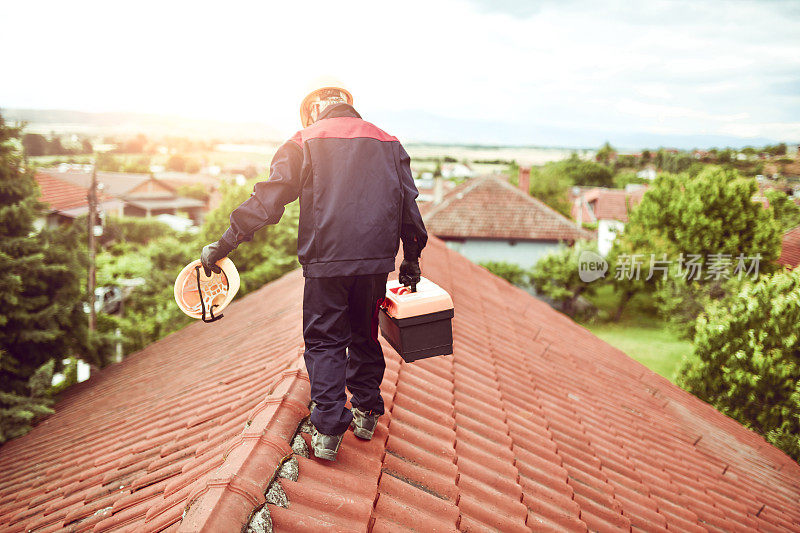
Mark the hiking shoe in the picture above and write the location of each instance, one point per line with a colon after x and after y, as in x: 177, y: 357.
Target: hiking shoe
x: 364, y: 423
x: 325, y: 446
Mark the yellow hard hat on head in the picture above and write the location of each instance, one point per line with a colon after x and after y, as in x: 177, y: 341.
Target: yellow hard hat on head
x: 322, y: 92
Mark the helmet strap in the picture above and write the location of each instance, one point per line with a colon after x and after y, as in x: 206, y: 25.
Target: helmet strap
x: 203, y: 303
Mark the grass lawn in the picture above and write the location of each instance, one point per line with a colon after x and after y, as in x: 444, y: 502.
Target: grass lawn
x: 640, y: 334
x: 655, y: 347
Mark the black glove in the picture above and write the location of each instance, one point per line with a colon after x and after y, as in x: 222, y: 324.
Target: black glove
x: 211, y: 254
x: 409, y: 273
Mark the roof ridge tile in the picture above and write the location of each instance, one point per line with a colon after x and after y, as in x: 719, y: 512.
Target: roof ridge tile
x: 229, y: 494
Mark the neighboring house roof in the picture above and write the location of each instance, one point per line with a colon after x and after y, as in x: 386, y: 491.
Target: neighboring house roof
x: 533, y: 424
x: 790, y: 248
x: 66, y: 197
x: 491, y: 208
x: 175, y: 180
x: 599, y: 203
x: 116, y: 184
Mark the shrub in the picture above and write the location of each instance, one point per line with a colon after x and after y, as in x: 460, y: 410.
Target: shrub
x: 746, y: 361
x: 511, y: 272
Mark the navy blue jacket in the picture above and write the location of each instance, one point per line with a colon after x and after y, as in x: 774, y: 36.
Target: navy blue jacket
x: 357, y: 197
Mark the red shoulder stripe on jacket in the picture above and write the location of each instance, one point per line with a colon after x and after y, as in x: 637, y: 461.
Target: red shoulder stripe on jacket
x: 297, y: 138
x: 344, y: 128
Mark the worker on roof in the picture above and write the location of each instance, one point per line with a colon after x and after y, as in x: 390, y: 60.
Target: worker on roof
x: 357, y: 202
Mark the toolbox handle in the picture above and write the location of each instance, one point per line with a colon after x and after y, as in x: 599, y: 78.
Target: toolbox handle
x: 404, y: 289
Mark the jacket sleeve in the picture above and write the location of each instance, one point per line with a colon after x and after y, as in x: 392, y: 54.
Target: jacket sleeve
x: 267, y: 201
x: 412, y: 229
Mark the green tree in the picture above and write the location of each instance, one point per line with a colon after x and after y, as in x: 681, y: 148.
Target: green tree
x: 557, y: 277
x: 140, y: 165
x: 198, y: 191
x: 149, y: 311
x: 19, y: 411
x: 776, y: 150
x: 711, y: 216
x: 680, y: 300
x: 40, y: 290
x: 511, y: 272
x: 176, y: 162
x: 34, y: 144
x: 605, y: 153
x: 746, y: 361
x: 784, y: 210
x: 55, y: 147
x: 108, y: 162
x: 585, y: 173
x: 550, y: 185
x: 725, y: 156
x: 181, y: 163
x: 135, y: 145
x: 622, y: 179
x: 135, y: 230
x: 749, y: 151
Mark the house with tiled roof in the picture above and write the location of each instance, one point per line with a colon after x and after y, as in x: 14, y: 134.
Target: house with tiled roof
x: 489, y: 219
x: 141, y: 194
x: 66, y: 201
x: 790, y: 248
x: 532, y: 424
x: 607, y: 208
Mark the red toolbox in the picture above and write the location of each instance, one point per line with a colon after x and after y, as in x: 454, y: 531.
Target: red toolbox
x: 417, y: 324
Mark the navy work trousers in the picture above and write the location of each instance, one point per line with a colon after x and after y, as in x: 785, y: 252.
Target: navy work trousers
x: 340, y: 329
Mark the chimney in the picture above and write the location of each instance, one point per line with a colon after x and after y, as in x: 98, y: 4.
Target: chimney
x: 438, y: 190
x: 525, y: 179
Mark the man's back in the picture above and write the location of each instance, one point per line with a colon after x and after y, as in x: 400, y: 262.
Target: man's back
x: 351, y: 200
x: 357, y: 196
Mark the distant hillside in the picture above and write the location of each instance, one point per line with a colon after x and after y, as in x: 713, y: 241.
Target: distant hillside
x: 410, y: 126
x: 66, y: 121
x: 429, y: 128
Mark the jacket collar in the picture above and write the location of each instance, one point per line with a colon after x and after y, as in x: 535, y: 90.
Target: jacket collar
x: 339, y: 110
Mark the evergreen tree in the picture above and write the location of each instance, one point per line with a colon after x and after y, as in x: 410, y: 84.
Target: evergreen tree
x: 40, y: 293
x: 19, y: 411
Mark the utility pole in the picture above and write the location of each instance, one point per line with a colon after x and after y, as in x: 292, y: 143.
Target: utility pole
x: 91, y: 282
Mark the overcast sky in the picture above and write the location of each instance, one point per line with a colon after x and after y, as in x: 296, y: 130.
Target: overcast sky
x: 661, y: 67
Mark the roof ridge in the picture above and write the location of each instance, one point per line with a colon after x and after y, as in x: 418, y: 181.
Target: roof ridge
x: 253, y: 458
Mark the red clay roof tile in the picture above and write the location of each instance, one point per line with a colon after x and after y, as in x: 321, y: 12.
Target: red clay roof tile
x: 533, y: 423
x: 600, y: 203
x: 60, y: 194
x: 790, y: 248
x: 490, y: 208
